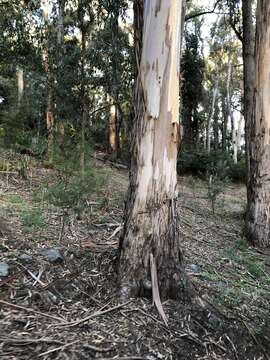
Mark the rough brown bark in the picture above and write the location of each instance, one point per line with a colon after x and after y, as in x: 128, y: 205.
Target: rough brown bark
x: 150, y: 220
x: 258, y: 219
x: 249, y: 77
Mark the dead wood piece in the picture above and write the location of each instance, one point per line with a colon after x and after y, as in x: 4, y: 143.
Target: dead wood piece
x: 31, y: 310
x: 98, y: 313
x: 155, y: 290
x: 58, y: 348
x: 97, y: 349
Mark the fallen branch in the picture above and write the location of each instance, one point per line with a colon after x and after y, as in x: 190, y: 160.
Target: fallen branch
x: 58, y: 348
x: 95, y: 314
x: 31, y: 311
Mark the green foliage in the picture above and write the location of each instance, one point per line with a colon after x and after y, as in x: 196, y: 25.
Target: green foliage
x: 72, y: 187
x: 14, y: 199
x: 240, y: 254
x: 32, y: 218
x: 219, y: 164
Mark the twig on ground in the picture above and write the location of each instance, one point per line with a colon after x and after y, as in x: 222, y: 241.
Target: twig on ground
x: 32, y: 311
x: 58, y: 348
x: 95, y: 314
x: 233, y: 346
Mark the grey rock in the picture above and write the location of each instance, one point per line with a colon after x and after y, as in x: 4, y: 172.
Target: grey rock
x: 194, y: 268
x: 4, y: 269
x: 25, y: 258
x: 53, y: 255
x: 214, y: 321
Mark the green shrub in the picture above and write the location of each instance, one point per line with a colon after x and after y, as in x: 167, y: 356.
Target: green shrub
x: 200, y: 163
x: 32, y: 218
x: 72, y: 187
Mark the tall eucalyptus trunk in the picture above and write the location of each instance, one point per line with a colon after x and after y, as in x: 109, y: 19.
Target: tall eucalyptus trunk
x: 151, y: 239
x: 258, y: 214
x: 249, y: 78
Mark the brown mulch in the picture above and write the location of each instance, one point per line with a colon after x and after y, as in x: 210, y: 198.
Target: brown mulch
x: 71, y: 310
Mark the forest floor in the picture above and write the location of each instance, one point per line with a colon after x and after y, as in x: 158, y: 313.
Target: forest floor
x: 58, y: 298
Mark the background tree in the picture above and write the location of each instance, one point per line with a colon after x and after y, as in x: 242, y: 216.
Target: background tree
x: 258, y: 221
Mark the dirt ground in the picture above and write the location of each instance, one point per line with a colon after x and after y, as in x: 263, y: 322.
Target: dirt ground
x: 68, y: 307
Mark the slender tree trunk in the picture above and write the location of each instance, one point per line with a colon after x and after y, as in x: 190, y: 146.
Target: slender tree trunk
x: 216, y: 127
x: 60, y: 24
x: 49, y: 105
x: 20, y: 84
x: 210, y: 118
x: 115, y: 111
x: 224, y: 122
x: 258, y: 220
x: 83, y: 98
x: 239, y: 133
x: 112, y: 129
x: 249, y: 78
x: 60, y: 128
x: 234, y: 139
x: 150, y: 229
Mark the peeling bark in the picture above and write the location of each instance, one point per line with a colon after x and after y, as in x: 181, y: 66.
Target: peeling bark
x: 150, y: 216
x: 258, y: 220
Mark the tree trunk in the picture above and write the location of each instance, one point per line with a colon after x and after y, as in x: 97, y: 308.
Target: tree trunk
x: 49, y: 105
x: 83, y: 97
x: 60, y: 127
x: 258, y: 220
x: 112, y: 129
x: 216, y: 127
x: 150, y: 227
x: 224, y: 122
x: 115, y: 111
x: 239, y: 133
x: 20, y: 84
x: 234, y: 139
x: 210, y: 118
x: 249, y: 78
x: 60, y: 23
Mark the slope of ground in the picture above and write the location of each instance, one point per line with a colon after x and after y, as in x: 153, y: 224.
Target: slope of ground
x: 63, y: 303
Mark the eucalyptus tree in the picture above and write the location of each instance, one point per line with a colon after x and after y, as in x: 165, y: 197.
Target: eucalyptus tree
x: 258, y: 219
x: 150, y: 246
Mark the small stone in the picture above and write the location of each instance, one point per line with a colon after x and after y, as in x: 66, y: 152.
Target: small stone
x: 53, y: 255
x: 194, y: 268
x: 4, y: 269
x: 25, y: 258
x: 214, y: 321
